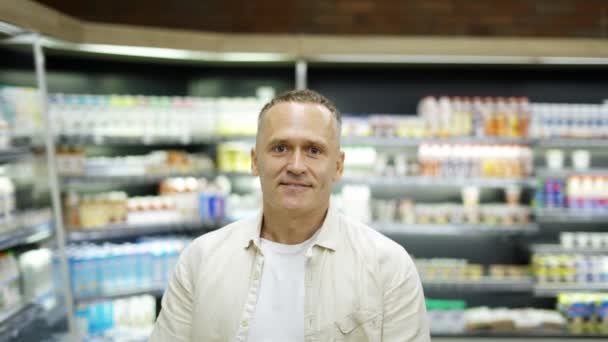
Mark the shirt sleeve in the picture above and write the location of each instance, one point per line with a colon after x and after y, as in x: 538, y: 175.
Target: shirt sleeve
x: 175, y: 319
x: 405, y: 317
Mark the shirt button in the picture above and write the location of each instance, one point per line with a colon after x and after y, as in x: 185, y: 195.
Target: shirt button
x: 244, y: 324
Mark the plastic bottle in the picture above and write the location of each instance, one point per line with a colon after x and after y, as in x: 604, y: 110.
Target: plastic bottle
x: 445, y: 116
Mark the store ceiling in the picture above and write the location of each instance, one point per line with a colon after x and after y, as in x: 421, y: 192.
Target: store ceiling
x: 525, y: 18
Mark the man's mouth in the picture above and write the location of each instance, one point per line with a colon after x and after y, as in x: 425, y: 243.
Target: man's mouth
x: 296, y: 184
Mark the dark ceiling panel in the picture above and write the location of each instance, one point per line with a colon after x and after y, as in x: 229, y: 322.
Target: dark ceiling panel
x: 550, y: 18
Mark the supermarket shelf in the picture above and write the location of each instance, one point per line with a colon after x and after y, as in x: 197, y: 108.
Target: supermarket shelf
x: 452, y: 229
x: 414, y: 142
x: 12, y: 154
x: 367, y: 141
x: 107, y: 140
x: 136, y: 180
x: 572, y: 142
x: 15, y: 321
x: 83, y: 181
x: 423, y: 181
x: 481, y: 285
x: 22, y: 235
x: 559, y: 249
x: 154, y: 291
x: 569, y: 216
x: 546, y: 173
x: 120, y: 231
x: 550, y: 290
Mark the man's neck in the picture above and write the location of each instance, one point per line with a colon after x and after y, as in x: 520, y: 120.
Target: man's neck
x: 283, y: 226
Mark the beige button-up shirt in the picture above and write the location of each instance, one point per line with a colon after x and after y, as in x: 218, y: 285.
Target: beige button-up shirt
x: 359, y: 286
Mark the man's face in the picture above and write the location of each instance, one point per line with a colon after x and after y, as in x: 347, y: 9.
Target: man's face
x: 297, y: 156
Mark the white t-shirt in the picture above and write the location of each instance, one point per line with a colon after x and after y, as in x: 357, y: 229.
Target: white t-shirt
x: 279, y: 311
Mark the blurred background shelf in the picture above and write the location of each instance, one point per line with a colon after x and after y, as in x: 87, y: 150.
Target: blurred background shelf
x: 544, y: 172
x: 563, y: 142
x: 569, y: 216
x: 123, y: 230
x: 25, y: 234
x: 16, y: 321
x: 105, y: 140
x: 482, y: 285
x: 559, y: 249
x: 550, y: 290
x: 84, y: 181
x: 414, y: 142
x: 422, y: 181
x: 13, y: 154
x: 153, y: 291
x: 394, y: 229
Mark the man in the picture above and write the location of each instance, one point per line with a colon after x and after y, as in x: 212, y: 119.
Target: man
x: 300, y: 270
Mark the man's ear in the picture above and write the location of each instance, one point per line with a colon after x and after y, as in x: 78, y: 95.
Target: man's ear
x: 339, y: 167
x: 254, y: 163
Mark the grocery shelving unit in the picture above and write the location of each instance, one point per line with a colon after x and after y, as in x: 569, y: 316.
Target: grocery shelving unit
x: 425, y: 182
x: 558, y: 249
x: 133, y: 141
x: 14, y: 153
x: 415, y: 142
x: 572, y: 143
x: 32, y: 225
x: 190, y: 79
x: 84, y: 181
x: 570, y: 216
x: 406, y: 85
x: 16, y: 321
x: 393, y: 229
x: 545, y: 173
x: 486, y: 285
x: 553, y: 289
x: 126, y: 231
x: 22, y: 234
x: 154, y: 291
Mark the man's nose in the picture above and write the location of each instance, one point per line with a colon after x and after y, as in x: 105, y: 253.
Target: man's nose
x: 296, y: 162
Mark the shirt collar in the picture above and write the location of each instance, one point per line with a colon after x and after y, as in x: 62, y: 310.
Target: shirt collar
x: 327, y: 238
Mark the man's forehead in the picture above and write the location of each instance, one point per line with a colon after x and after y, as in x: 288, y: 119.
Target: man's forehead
x: 299, y: 114
x: 295, y: 120
x: 285, y: 107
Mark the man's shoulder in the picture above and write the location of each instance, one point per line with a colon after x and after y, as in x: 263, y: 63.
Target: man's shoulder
x: 368, y: 239
x: 225, y: 236
x: 390, y: 258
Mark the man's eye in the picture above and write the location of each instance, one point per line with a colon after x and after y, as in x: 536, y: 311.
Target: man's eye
x: 280, y: 148
x: 315, y: 150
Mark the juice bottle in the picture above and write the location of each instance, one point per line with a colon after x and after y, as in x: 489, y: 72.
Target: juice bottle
x: 513, y: 117
x: 489, y: 118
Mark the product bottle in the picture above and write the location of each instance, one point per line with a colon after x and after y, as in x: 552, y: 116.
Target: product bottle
x: 477, y: 117
x: 445, y: 116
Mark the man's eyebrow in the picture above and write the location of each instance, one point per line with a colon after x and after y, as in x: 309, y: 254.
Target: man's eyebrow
x: 308, y: 141
x: 276, y: 141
